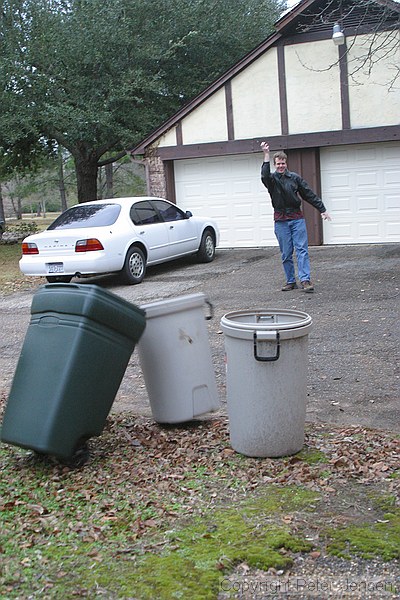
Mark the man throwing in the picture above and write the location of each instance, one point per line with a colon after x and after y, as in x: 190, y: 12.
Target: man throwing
x: 287, y: 189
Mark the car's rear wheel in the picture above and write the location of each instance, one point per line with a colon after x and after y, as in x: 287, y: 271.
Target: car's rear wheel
x: 59, y: 278
x: 134, y: 266
x: 206, y: 251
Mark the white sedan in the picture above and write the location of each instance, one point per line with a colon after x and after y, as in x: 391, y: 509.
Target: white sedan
x: 117, y: 235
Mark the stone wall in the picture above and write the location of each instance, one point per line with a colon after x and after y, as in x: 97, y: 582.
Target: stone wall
x: 156, y: 175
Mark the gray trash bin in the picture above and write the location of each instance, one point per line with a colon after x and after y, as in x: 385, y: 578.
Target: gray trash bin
x: 266, y: 357
x: 175, y: 357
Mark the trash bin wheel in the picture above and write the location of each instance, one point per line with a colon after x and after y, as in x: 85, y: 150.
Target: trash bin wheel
x: 79, y: 457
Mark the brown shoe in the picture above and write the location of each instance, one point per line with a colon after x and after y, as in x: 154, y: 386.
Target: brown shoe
x: 289, y: 286
x: 307, y: 286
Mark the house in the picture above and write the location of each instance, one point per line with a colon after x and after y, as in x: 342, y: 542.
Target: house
x: 332, y: 104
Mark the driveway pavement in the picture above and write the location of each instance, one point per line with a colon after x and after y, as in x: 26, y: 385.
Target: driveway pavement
x: 354, y: 346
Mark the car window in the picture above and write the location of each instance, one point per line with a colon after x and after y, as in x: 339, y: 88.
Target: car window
x: 169, y: 212
x: 143, y: 213
x: 87, y: 215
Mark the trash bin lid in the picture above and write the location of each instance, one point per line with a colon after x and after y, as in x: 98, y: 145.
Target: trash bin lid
x: 289, y: 323
x: 92, y: 302
x: 173, y: 305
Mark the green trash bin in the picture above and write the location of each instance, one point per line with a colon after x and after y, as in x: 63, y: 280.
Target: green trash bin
x: 74, y: 356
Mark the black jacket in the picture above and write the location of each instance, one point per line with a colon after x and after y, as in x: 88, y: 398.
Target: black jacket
x: 286, y: 189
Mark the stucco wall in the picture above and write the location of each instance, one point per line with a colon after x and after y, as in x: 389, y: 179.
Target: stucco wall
x: 313, y: 87
x: 168, y: 139
x: 373, y: 62
x: 207, y: 123
x: 255, y: 98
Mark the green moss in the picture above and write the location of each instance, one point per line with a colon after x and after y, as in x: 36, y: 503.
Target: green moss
x: 196, y: 556
x: 187, y: 562
x: 380, y: 539
x: 383, y: 503
x: 311, y: 456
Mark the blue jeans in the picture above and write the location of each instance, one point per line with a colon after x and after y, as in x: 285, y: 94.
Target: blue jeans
x: 293, y: 235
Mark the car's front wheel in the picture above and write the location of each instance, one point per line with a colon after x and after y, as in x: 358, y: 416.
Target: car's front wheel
x: 59, y: 278
x: 134, y: 266
x: 206, y: 251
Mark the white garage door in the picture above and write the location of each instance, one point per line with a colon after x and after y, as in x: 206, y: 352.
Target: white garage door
x: 229, y: 190
x: 361, y: 190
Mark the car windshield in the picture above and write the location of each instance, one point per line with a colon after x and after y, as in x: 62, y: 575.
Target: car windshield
x: 87, y: 215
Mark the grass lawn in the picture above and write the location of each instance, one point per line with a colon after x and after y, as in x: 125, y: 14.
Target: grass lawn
x: 11, y: 278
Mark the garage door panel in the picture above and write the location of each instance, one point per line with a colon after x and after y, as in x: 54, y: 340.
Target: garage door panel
x: 243, y: 233
x: 365, y: 154
x: 392, y: 231
x: 192, y: 190
x: 361, y: 189
x: 216, y: 188
x: 392, y: 177
x: 342, y: 232
x: 244, y: 209
x: 343, y: 205
x: 367, y: 204
x: 241, y: 187
x: 392, y: 203
x: 338, y: 181
x: 370, y: 230
x: 366, y: 179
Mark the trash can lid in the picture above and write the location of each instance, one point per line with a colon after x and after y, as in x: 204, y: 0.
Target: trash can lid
x: 289, y: 323
x: 173, y: 305
x: 92, y: 302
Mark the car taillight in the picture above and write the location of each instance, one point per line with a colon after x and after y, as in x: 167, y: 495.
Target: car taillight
x: 89, y: 245
x: 29, y: 248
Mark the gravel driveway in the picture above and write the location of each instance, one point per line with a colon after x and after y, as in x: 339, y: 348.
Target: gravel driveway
x: 354, y: 345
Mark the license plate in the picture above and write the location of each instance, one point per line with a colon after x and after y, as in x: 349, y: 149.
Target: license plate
x: 55, y: 267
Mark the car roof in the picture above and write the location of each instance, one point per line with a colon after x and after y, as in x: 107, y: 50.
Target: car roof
x: 125, y: 200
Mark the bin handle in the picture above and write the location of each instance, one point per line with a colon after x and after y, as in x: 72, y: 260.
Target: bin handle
x: 211, y: 307
x: 267, y: 358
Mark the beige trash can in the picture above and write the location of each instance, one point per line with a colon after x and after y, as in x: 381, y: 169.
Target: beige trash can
x: 266, y: 358
x: 176, y: 361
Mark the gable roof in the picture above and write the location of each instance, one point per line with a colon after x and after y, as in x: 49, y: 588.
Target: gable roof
x: 309, y: 19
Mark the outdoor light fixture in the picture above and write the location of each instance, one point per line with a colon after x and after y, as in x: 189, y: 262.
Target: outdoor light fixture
x: 338, y: 35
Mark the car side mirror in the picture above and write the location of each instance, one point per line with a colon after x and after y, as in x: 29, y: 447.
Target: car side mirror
x: 188, y: 214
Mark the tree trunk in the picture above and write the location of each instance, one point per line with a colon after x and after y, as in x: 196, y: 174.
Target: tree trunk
x: 109, y: 181
x: 2, y: 217
x: 61, y: 182
x: 16, y: 204
x: 86, y: 177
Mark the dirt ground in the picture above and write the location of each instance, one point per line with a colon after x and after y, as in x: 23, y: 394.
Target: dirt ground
x: 354, y: 345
